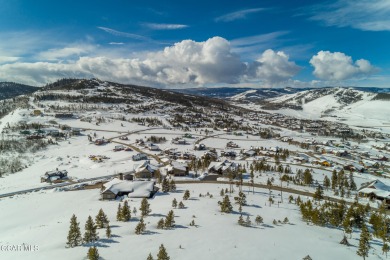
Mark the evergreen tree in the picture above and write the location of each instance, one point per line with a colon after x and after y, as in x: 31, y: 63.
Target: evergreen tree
x: 174, y: 203
x: 141, y: 226
x: 169, y: 220
x: 258, y: 220
x: 352, y: 183
x: 150, y: 257
x: 285, y: 221
x: 90, y: 234
x: 93, y: 253
x: 334, y: 179
x: 135, y: 211
x: 222, y: 193
x: 319, y: 194
x: 364, y: 242
x: 225, y: 205
x: 126, y: 212
x: 326, y: 182
x: 165, y: 186
x: 101, y: 219
x: 172, y: 186
x: 192, y: 223
x: 145, y: 208
x: 241, y: 221
x: 160, y: 224
x: 181, y: 205
x: 162, y: 253
x: 74, y: 235
x: 108, y: 231
x: 119, y: 216
x: 248, y: 221
x: 186, y: 195
x: 385, y: 248
x: 307, y: 177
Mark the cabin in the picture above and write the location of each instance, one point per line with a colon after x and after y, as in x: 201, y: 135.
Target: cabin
x: 145, y: 171
x: 222, y: 168
x: 63, y: 115
x: 200, y: 147
x: 152, y: 147
x: 176, y: 169
x: 54, y: 176
x: 132, y: 189
x: 376, y: 190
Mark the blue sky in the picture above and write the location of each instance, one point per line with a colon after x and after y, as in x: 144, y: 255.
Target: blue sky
x: 202, y: 43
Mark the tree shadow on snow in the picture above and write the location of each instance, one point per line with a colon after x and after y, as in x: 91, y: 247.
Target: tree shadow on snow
x: 254, y: 206
x: 148, y: 232
x: 97, y: 244
x: 181, y: 226
x: 114, y: 226
x: 267, y: 226
x: 157, y: 215
x: 108, y: 240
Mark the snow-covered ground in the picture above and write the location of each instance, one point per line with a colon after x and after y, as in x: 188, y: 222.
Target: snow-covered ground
x: 42, y: 219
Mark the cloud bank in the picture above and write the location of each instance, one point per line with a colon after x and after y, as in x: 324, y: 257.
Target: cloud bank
x: 185, y: 63
x: 336, y: 66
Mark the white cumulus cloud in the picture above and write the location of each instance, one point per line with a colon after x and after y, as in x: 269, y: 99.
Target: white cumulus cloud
x: 338, y: 66
x: 185, y: 63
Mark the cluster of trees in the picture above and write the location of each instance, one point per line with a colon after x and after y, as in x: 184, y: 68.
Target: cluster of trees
x: 156, y: 139
x: 90, y: 235
x: 168, y: 186
x: 169, y: 221
x: 341, y: 183
x: 161, y: 255
x: 150, y: 121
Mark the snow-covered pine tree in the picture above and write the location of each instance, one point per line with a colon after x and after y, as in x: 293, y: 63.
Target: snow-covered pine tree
x: 141, y: 226
x: 119, y: 216
x: 248, y: 221
x: 225, y: 205
x: 162, y: 253
x: 169, y: 220
x: 186, y: 195
x: 74, y: 235
x: 241, y: 221
x: 101, y: 219
x: 364, y: 242
x: 93, y: 253
x: 126, y: 212
x: 108, y: 231
x: 258, y: 220
x: 165, y: 185
x: 145, y: 208
x: 160, y: 224
x: 174, y: 203
x: 90, y: 234
x: 172, y: 186
x: 150, y: 257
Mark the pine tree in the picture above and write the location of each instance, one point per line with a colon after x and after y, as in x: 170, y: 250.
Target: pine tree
x: 225, y: 205
x: 352, y: 183
x: 93, y: 253
x: 385, y: 248
x: 174, y: 203
x: 241, y: 199
x: 285, y: 221
x: 181, y: 205
x: 90, y: 234
x: 248, y: 221
x: 192, y: 223
x: 186, y: 195
x: 222, y: 193
x: 119, y: 216
x: 165, y: 186
x: 108, y: 231
x: 141, y: 226
x: 162, y: 253
x: 145, y: 208
x: 258, y: 220
x: 160, y: 224
x: 169, y: 220
x: 364, y: 242
x: 101, y: 219
x: 126, y: 212
x: 319, y: 194
x: 334, y: 179
x: 241, y: 221
x: 150, y: 257
x: 74, y: 235
x: 172, y: 186
x: 326, y: 182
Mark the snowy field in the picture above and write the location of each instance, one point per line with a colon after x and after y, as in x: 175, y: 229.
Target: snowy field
x: 42, y: 219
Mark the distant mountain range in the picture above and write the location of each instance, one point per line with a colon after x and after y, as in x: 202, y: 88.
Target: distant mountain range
x: 256, y: 94
x: 11, y: 90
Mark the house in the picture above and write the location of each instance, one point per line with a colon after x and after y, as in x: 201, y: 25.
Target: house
x: 63, y: 115
x: 119, y: 148
x: 132, y: 189
x: 152, y: 147
x: 179, y: 141
x: 75, y: 131
x: 250, y: 153
x: 139, y: 157
x: 232, y: 144
x: 176, y: 168
x: 100, y: 141
x: 376, y: 190
x: 145, y: 170
x: 222, y: 167
x: 54, y: 176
